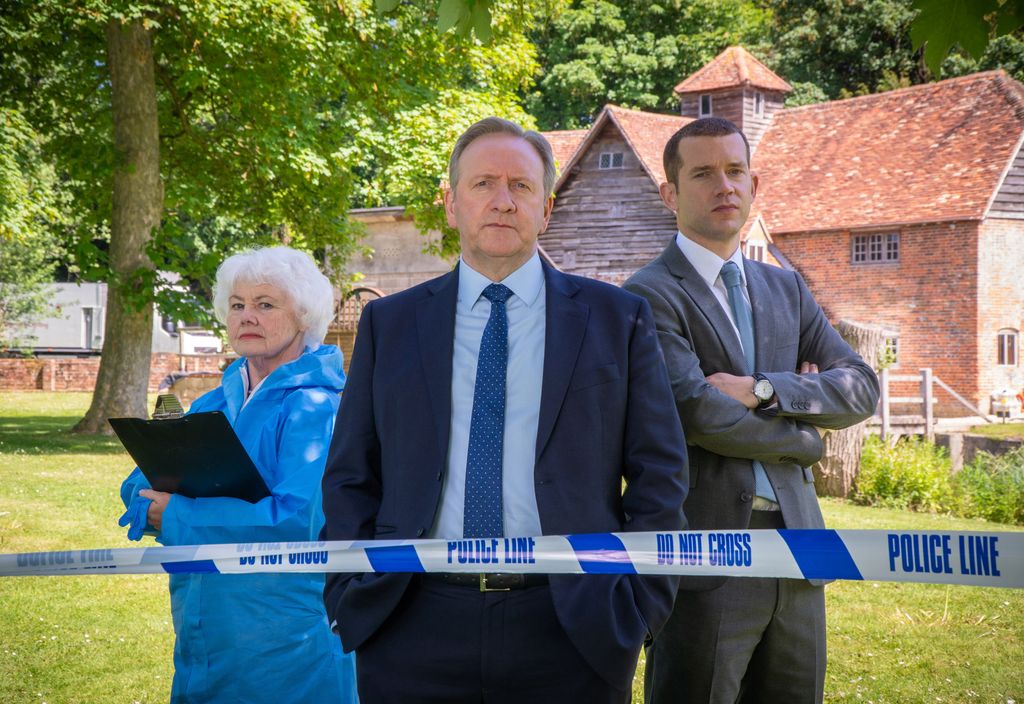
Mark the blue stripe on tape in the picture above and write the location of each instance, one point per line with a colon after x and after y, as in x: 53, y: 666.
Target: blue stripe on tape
x: 191, y: 567
x: 821, y: 554
x: 394, y: 558
x: 601, y: 553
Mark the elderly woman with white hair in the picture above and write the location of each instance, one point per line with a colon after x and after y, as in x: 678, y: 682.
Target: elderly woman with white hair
x: 259, y: 637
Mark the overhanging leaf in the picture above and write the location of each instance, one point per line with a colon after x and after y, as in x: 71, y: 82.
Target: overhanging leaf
x: 449, y: 13
x: 386, y: 5
x: 942, y: 23
x: 1009, y: 17
x: 482, y: 21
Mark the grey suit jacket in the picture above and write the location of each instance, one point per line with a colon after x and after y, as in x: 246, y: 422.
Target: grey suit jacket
x: 723, y: 436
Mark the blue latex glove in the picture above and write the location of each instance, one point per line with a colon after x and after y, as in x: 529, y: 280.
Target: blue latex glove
x: 135, y: 517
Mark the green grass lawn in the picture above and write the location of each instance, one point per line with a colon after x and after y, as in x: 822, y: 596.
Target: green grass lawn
x: 108, y: 639
x: 1002, y: 431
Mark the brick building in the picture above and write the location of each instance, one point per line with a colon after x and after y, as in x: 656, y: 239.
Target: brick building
x: 904, y: 209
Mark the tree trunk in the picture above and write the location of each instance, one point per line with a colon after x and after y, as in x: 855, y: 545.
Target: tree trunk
x: 837, y: 471
x: 123, y: 377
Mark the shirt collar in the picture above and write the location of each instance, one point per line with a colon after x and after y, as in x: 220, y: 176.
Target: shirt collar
x: 707, y: 263
x: 526, y: 282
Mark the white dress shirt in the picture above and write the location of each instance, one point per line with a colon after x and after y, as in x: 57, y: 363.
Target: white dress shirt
x: 709, y: 266
x: 526, y: 319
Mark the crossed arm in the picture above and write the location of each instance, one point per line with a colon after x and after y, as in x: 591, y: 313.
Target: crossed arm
x: 831, y: 388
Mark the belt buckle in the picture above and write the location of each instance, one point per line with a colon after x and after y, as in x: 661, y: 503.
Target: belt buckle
x: 484, y: 587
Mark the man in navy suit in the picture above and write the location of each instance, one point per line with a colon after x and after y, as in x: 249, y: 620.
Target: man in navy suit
x: 503, y: 398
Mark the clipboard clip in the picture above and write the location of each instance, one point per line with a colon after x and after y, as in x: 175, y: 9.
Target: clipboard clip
x: 168, y: 407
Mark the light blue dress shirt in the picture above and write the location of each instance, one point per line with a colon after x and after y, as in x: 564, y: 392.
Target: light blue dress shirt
x: 526, y: 319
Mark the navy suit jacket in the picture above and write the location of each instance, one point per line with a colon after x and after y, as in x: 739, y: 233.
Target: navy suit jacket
x: 607, y: 414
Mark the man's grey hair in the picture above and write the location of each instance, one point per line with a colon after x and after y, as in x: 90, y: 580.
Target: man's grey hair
x: 497, y: 125
x: 309, y: 292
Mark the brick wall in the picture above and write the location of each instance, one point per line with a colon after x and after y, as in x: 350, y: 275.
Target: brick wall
x: 79, y: 374
x: 929, y: 297
x: 1001, y: 303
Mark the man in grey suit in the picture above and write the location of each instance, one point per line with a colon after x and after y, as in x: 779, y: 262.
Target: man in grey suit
x: 758, y: 373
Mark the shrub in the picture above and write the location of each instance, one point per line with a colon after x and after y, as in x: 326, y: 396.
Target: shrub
x: 992, y: 487
x: 913, y: 474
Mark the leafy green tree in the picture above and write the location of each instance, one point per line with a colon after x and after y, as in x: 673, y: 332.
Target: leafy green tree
x: 31, y: 205
x: 854, y: 48
x: 629, y: 53
x: 187, y: 130
x: 1005, y: 52
x: 843, y: 48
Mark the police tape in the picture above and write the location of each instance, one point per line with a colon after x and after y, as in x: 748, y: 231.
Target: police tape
x: 938, y: 557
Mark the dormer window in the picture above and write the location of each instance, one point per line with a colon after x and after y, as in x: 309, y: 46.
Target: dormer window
x: 759, y: 104
x: 705, y: 106
x: 610, y: 160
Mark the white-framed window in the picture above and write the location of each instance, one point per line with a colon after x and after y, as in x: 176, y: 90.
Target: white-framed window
x: 755, y: 251
x: 875, y: 249
x: 705, y: 106
x: 1006, y: 347
x: 610, y: 160
x: 759, y: 103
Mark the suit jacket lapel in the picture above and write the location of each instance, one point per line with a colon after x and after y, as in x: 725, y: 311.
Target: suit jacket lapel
x: 435, y: 325
x: 697, y: 289
x: 764, y: 327
x: 564, y: 329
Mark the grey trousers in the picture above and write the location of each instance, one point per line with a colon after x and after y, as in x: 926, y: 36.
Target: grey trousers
x: 751, y: 640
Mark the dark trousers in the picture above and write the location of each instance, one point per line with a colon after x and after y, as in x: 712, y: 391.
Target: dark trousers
x: 751, y: 640
x: 457, y: 645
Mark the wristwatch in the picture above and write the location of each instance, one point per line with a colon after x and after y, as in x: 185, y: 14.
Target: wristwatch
x: 764, y: 392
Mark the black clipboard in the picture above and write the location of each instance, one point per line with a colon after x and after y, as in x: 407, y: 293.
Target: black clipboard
x: 197, y: 456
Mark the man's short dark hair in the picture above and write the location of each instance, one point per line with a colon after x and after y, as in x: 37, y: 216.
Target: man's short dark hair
x: 704, y: 127
x: 497, y: 125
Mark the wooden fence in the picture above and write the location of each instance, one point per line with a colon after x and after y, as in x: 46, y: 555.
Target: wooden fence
x: 923, y: 424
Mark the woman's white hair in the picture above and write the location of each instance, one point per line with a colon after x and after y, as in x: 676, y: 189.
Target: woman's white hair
x: 292, y: 271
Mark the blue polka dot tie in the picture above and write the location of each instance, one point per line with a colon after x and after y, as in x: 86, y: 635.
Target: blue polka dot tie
x: 482, y: 511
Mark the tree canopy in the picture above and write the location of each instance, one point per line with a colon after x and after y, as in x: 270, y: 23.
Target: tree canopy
x: 31, y: 211
x: 273, y: 117
x: 632, y: 54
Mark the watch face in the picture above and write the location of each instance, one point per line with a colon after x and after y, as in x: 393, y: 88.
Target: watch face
x: 763, y: 389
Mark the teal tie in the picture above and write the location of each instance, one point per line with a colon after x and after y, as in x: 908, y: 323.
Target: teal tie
x: 745, y: 324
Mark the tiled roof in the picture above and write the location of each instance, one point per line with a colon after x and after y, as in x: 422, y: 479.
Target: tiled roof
x: 732, y: 68
x: 563, y: 144
x: 922, y: 154
x: 647, y: 134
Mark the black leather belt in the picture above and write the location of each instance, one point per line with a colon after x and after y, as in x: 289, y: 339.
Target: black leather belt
x: 488, y: 582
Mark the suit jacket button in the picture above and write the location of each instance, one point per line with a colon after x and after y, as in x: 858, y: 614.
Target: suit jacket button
x: 746, y: 497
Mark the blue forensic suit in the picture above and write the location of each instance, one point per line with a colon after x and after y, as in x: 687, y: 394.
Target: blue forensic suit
x: 260, y: 637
